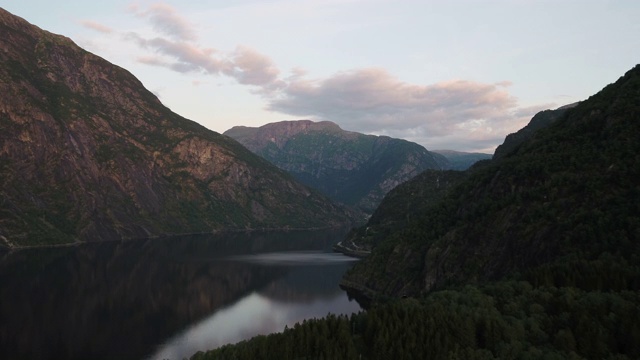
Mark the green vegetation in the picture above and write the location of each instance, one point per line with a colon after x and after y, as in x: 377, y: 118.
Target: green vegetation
x: 90, y: 154
x: 351, y: 168
x: 503, y: 320
x: 571, y: 188
x: 403, y: 204
x: 461, y: 160
x: 535, y: 254
x: 540, y: 121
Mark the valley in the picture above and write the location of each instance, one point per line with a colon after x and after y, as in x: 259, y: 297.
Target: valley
x: 129, y: 231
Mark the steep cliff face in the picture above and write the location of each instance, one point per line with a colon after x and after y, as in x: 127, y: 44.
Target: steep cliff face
x: 87, y: 153
x: 350, y: 167
x: 559, y: 208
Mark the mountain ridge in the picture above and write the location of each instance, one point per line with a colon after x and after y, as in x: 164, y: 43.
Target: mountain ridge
x: 87, y: 153
x: 563, y: 198
x: 350, y: 167
x: 461, y: 160
x: 539, y: 121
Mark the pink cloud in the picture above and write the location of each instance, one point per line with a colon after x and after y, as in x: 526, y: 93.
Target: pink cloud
x: 180, y: 56
x: 372, y: 99
x: 457, y: 114
x: 252, y: 68
x: 96, y: 26
x: 165, y: 19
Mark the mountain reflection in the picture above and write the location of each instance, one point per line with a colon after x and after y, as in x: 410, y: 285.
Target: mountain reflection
x: 121, y: 299
x: 308, y: 289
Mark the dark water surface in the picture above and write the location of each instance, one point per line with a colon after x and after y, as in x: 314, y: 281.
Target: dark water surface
x: 165, y: 298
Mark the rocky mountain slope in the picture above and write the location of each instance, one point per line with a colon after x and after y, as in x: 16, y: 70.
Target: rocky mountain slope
x: 350, y: 167
x: 87, y: 153
x: 560, y: 209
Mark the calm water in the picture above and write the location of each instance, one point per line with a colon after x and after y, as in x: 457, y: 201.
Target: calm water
x: 165, y: 298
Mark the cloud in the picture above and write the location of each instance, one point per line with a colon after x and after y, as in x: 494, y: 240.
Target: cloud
x: 252, y: 68
x: 180, y: 56
x: 165, y: 19
x: 180, y: 53
x: 456, y: 114
x: 247, y: 66
x: 96, y: 26
x: 374, y: 101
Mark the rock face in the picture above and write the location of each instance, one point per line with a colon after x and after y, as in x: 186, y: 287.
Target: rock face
x: 560, y: 206
x: 87, y: 153
x: 350, y: 167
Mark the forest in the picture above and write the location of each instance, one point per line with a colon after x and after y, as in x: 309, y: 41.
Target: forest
x: 534, y: 255
x: 503, y: 320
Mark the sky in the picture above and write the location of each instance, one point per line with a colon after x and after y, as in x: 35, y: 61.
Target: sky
x: 458, y: 74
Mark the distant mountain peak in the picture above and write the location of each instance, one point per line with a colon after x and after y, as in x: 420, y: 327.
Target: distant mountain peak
x: 87, y: 153
x: 350, y: 167
x: 279, y: 132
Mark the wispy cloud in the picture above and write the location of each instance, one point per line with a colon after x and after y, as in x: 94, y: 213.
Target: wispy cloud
x: 372, y: 99
x: 96, y: 26
x: 165, y: 19
x: 180, y: 56
x: 459, y: 114
x: 250, y: 67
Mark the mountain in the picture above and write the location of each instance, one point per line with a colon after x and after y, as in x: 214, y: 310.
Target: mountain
x: 88, y: 154
x: 539, y: 121
x: 352, y: 168
x: 561, y: 209
x: 137, y: 284
x: 460, y: 160
x: 399, y: 208
x: 152, y: 290
x: 533, y: 255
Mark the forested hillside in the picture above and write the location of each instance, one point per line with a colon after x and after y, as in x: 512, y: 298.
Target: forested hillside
x: 504, y: 320
x: 350, y: 167
x: 568, y: 194
x: 400, y: 207
x: 539, y: 121
x: 460, y: 160
x: 532, y: 255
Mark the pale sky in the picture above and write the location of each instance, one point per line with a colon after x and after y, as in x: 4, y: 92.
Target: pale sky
x: 446, y: 74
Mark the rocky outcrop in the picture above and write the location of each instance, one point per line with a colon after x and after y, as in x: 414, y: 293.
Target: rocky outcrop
x: 87, y: 153
x: 350, y: 167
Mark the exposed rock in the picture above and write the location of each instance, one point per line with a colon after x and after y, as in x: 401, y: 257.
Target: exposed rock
x: 87, y: 153
x: 350, y: 167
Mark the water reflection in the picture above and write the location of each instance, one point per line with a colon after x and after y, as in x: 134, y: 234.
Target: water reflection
x: 121, y: 300
x: 308, y: 289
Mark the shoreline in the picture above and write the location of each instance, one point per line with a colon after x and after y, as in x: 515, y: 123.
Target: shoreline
x: 8, y: 249
x: 350, y: 251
